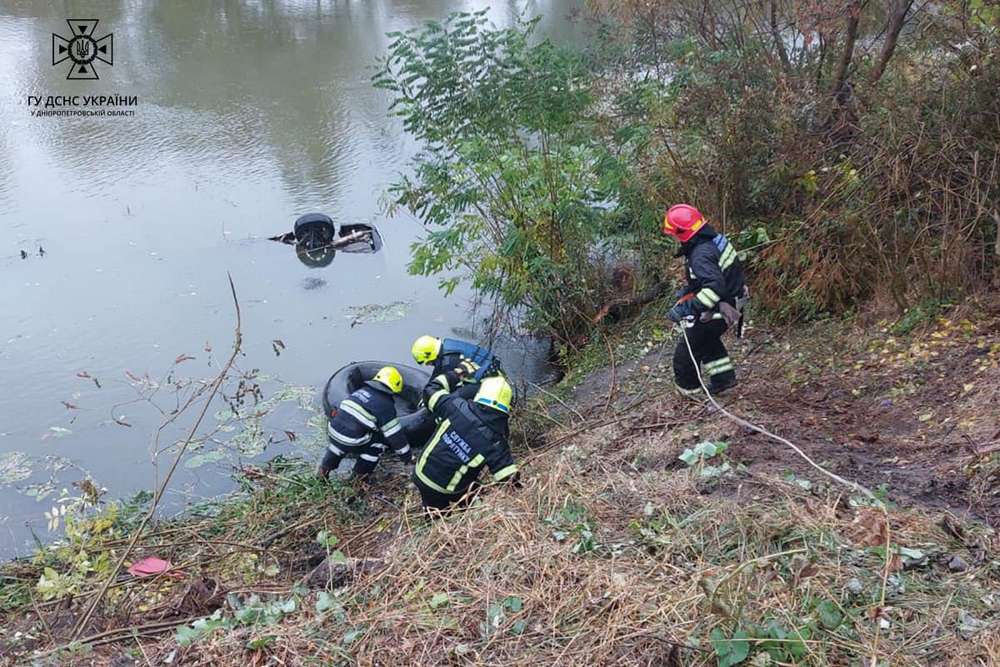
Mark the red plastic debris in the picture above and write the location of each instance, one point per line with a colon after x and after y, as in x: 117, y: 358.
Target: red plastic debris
x: 148, y: 567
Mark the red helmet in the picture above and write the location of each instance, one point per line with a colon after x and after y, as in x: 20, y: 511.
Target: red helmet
x: 682, y: 222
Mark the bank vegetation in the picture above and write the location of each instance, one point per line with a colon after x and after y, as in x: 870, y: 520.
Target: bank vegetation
x: 851, y: 149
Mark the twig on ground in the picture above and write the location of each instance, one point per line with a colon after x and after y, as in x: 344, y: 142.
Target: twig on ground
x: 613, y: 385
x: 559, y: 400
x: 220, y: 378
x: 118, y: 634
x: 884, y: 587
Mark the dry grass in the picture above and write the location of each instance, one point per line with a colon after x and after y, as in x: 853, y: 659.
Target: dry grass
x: 613, y: 552
x: 666, y: 564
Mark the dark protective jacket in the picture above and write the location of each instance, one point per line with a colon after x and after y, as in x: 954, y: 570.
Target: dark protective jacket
x: 714, y: 270
x: 453, y: 352
x: 468, y: 436
x: 368, y: 414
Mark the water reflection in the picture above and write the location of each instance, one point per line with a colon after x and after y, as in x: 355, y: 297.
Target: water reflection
x: 238, y: 87
x: 250, y: 114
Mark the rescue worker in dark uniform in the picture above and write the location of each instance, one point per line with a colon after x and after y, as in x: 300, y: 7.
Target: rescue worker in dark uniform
x: 449, y: 354
x: 472, y: 362
x: 470, y: 434
x: 364, y: 423
x: 711, y: 303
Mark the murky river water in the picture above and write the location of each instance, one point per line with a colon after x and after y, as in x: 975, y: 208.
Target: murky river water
x: 249, y: 114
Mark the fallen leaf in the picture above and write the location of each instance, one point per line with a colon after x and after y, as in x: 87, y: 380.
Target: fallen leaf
x: 869, y: 529
x: 969, y: 625
x: 69, y: 406
x: 291, y: 436
x: 808, y: 571
x: 912, y: 558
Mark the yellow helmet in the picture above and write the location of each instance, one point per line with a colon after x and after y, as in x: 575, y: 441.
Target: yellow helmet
x: 495, y: 392
x: 426, y: 349
x: 390, y: 377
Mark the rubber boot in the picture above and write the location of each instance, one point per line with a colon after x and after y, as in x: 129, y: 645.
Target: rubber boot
x: 722, y: 382
x: 695, y: 395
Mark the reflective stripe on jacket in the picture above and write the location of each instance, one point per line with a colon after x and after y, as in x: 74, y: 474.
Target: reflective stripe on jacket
x: 468, y: 436
x: 714, y: 271
x: 369, y: 413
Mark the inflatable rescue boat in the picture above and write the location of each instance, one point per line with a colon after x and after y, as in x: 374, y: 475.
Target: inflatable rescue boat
x: 416, y: 421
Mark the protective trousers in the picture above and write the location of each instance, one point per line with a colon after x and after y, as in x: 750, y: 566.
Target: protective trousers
x: 432, y: 499
x: 366, y: 457
x: 710, y: 352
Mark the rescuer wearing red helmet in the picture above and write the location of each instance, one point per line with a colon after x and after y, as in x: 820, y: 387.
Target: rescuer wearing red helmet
x: 711, y: 302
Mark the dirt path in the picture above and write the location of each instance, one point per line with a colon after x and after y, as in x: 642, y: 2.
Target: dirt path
x: 914, y: 416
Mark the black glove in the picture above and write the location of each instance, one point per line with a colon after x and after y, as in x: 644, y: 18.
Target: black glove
x: 680, y: 311
x: 453, y: 379
x: 729, y: 314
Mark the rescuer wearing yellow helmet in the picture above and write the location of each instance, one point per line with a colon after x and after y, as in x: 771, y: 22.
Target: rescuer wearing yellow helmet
x: 470, y: 433
x: 448, y: 354
x: 471, y: 363
x: 364, y: 423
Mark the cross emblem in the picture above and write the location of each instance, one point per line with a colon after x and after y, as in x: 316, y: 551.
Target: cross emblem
x: 82, y: 49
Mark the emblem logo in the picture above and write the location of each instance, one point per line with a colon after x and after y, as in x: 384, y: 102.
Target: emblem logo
x: 82, y: 49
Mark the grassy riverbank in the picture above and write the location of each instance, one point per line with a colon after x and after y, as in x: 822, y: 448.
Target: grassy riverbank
x: 616, y: 550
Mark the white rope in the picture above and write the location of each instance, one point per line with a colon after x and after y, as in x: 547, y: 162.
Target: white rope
x: 759, y: 429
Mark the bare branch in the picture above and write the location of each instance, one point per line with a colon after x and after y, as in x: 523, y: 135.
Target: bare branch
x: 898, y: 11
x: 220, y: 378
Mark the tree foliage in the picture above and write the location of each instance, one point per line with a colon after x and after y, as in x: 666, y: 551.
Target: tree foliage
x: 850, y: 148
x: 512, y: 180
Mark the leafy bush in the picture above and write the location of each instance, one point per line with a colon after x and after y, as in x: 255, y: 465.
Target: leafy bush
x: 870, y: 172
x: 512, y: 181
x: 850, y: 148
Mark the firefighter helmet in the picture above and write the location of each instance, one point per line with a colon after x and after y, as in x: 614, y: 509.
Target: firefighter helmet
x: 390, y: 377
x: 682, y: 222
x: 426, y: 349
x: 495, y: 392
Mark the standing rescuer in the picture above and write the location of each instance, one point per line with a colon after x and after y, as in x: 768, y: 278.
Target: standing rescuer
x: 470, y: 434
x: 364, y: 423
x: 712, y: 301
